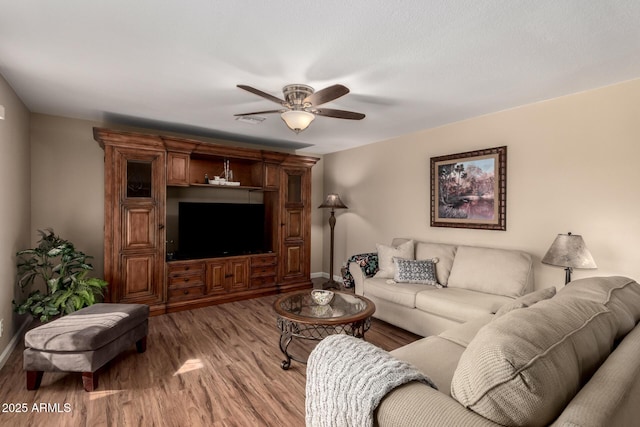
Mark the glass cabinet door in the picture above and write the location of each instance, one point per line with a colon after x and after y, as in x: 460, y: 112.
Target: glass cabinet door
x: 139, y: 178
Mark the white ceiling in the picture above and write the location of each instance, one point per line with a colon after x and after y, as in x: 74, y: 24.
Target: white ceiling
x: 410, y: 65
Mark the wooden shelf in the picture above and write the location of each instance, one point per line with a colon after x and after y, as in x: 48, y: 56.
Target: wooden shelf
x: 229, y: 187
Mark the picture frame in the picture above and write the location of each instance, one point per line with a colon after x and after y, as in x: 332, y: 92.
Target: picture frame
x: 469, y: 190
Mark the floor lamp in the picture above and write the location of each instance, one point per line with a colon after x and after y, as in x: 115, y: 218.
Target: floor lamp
x: 333, y: 201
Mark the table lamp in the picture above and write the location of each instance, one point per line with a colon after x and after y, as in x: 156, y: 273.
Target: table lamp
x: 569, y: 251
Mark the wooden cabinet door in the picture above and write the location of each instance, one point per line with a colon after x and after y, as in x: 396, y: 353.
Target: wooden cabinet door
x: 216, y: 277
x: 227, y: 275
x: 178, y: 169
x: 238, y: 276
x: 295, y: 234
x: 137, y: 234
x: 271, y: 176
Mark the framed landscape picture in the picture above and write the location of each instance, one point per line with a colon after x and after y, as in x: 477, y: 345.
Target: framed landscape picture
x: 469, y: 190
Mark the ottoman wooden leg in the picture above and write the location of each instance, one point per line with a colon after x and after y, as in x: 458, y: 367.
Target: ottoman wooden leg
x: 90, y: 380
x: 141, y: 344
x: 33, y: 379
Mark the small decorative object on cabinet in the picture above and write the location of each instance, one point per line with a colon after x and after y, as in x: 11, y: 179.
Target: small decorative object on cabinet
x: 148, y: 177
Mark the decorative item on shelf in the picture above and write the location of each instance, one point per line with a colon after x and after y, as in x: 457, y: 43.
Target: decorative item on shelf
x: 321, y: 297
x: 333, y: 202
x: 226, y: 178
x: 569, y: 251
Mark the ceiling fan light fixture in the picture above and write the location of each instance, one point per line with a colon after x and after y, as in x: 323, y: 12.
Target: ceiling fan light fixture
x: 297, y: 120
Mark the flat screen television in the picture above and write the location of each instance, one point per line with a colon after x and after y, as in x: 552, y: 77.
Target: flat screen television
x: 208, y: 230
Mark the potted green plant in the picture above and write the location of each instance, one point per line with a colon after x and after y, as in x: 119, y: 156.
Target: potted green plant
x: 64, y: 271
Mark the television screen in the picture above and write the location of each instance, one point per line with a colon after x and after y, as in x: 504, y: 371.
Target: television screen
x: 207, y: 230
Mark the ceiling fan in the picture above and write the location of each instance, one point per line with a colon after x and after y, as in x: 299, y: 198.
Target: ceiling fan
x: 300, y: 104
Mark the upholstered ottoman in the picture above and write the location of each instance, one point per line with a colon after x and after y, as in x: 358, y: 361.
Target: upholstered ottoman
x: 84, y: 341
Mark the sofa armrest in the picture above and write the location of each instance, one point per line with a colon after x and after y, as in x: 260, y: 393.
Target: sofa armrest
x: 416, y: 404
x: 358, y: 277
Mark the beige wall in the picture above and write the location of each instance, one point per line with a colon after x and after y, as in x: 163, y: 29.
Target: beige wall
x: 573, y: 165
x: 14, y: 209
x: 67, y: 172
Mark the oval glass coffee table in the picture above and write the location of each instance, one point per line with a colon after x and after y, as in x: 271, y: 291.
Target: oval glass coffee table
x: 299, y: 317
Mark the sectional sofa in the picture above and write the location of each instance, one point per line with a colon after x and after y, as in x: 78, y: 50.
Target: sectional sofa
x: 569, y: 359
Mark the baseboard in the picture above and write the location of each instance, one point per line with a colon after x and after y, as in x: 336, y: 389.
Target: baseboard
x: 14, y: 342
x: 322, y: 274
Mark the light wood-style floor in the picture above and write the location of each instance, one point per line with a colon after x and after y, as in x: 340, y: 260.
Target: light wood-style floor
x: 213, y: 366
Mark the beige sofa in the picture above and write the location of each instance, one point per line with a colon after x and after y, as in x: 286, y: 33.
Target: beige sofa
x: 569, y: 360
x: 478, y: 281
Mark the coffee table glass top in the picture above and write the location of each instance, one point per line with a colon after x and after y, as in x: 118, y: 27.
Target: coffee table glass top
x: 344, y: 307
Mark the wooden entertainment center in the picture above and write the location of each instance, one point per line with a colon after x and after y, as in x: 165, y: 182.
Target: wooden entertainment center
x: 144, y: 172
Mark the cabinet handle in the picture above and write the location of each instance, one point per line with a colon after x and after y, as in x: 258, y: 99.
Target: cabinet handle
x: 186, y: 279
x: 186, y: 292
x: 160, y: 226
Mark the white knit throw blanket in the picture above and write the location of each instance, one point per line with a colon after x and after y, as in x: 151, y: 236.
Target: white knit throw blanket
x: 347, y: 378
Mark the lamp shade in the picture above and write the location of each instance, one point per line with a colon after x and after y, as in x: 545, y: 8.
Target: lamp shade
x: 333, y: 201
x: 569, y: 250
x: 297, y: 120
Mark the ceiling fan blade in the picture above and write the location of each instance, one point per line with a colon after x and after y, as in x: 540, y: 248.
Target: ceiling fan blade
x: 327, y: 94
x: 262, y: 94
x: 339, y: 114
x: 260, y: 112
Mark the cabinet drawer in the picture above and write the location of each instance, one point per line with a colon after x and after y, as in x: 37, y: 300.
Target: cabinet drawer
x: 186, y: 280
x: 181, y: 269
x: 186, y: 293
x: 267, y: 270
x: 262, y: 260
x: 258, y: 282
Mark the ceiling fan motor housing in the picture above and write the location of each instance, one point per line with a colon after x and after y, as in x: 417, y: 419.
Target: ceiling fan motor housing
x: 296, y: 94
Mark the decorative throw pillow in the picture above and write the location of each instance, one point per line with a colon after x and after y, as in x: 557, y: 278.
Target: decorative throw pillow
x: 422, y: 271
x: 526, y: 301
x: 386, y: 254
x: 369, y: 264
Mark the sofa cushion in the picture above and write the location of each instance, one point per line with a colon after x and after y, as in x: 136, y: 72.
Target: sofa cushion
x: 494, y: 271
x: 435, y: 357
x: 526, y: 300
x: 463, y: 333
x: 525, y: 367
x: 457, y: 304
x: 387, y: 253
x: 400, y: 293
x: 443, y: 252
x: 619, y: 294
x: 422, y: 271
